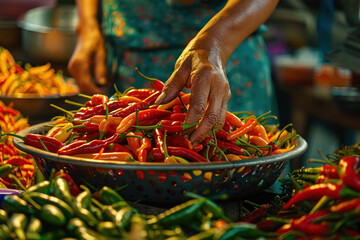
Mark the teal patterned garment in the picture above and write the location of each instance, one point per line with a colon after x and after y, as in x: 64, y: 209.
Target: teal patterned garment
x: 151, y: 35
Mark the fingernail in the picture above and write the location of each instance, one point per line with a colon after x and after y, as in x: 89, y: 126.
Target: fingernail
x: 160, y: 98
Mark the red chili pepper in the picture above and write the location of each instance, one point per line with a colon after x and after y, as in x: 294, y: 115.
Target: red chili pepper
x: 123, y: 112
x: 348, y: 168
x: 175, y: 126
x: 330, y: 171
x: 93, y: 146
x: 143, y: 115
x: 221, y: 134
x: 227, y: 127
x: 140, y: 93
x: 179, y: 109
x: 113, y: 105
x: 86, y: 112
x: 247, y: 127
x: 74, y: 189
x: 86, y: 127
x: 116, y: 147
x: 179, y: 152
x: 151, y: 99
x: 178, y: 141
x: 346, y: 206
x: 255, y: 215
x: 145, y: 146
x: 157, y: 154
x: 98, y: 99
x: 156, y: 84
x: 305, y: 225
x: 87, y: 136
x: 18, y: 161
x: 198, y: 148
x: 315, y: 192
x: 176, y: 117
x: 53, y: 131
x: 114, y: 156
x: 37, y: 140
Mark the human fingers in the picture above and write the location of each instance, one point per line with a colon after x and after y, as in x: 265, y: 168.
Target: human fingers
x: 100, y: 69
x: 210, y: 118
x: 80, y: 69
x: 173, y: 86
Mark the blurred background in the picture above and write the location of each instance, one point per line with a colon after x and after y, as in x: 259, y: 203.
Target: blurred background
x: 314, y: 48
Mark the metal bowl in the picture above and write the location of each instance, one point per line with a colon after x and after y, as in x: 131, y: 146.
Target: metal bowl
x: 39, y: 109
x: 48, y: 33
x: 154, y: 183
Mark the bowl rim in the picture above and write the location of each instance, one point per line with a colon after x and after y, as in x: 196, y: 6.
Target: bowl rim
x: 299, y: 149
x: 31, y: 27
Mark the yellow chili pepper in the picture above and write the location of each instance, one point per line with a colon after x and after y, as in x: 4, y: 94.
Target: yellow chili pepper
x: 64, y: 133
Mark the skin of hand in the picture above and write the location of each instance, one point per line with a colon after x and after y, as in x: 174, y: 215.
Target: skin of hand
x: 201, y: 66
x: 89, y: 55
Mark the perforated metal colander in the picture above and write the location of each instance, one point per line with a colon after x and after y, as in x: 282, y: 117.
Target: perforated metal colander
x: 166, y: 183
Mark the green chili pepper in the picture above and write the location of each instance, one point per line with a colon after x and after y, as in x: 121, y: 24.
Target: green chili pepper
x: 42, y: 187
x: 241, y: 230
x: 6, y: 169
x: 42, y: 199
x: 17, y: 223
x: 4, y: 232
x: 179, y: 214
x: 122, y: 218
x: 215, y: 210
x: 13, y: 203
x: 80, y: 230
x: 35, y: 226
x: 96, y: 212
x: 61, y: 190
x: 3, y: 216
x: 108, y: 228
x: 53, y: 215
x: 109, y: 196
x: 39, y: 177
x: 80, y: 205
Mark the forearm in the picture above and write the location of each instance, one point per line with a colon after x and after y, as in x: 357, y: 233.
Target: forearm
x: 87, y: 12
x: 235, y: 22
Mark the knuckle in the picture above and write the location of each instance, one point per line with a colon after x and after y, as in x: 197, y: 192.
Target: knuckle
x: 198, y: 107
x: 212, y: 118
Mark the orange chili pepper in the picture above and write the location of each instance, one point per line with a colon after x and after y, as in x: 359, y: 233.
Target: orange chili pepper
x: 233, y: 120
x: 247, y: 127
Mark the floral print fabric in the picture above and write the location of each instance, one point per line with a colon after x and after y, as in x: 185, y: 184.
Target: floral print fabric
x: 151, y: 35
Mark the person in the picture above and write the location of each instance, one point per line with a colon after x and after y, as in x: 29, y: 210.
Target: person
x: 213, y: 47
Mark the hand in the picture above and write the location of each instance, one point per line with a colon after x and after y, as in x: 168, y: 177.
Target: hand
x: 202, y: 69
x: 89, y: 54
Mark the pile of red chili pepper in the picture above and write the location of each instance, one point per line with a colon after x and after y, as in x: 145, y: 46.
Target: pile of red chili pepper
x: 131, y: 127
x: 324, y: 203
x: 15, y: 165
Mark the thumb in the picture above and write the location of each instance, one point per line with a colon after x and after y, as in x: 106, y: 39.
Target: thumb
x: 173, y: 85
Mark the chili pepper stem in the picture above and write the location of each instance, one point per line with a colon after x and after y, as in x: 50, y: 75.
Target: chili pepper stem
x: 74, y: 103
x: 84, y: 95
x: 12, y: 134
x: 63, y: 110
x: 151, y: 80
